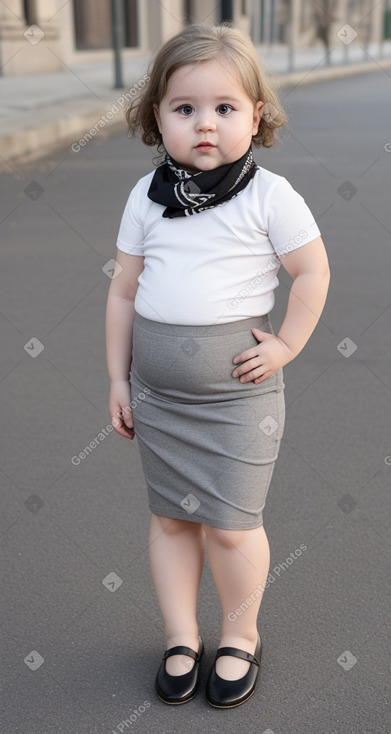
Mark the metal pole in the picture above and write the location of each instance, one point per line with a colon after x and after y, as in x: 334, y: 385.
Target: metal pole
x: 117, y: 25
x: 226, y: 10
x: 291, y: 48
x: 271, y: 30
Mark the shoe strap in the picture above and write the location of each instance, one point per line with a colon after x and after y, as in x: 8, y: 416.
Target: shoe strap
x: 236, y: 653
x: 182, y: 650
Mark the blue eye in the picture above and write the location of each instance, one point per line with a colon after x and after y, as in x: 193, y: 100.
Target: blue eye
x: 225, y: 109
x: 186, y: 109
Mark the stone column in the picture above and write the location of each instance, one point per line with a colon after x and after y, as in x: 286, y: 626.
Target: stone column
x: 377, y: 25
x: 11, y: 29
x: 164, y: 21
x: 295, y: 21
x: 24, y: 47
x: 12, y: 13
x: 242, y: 21
x: 204, y: 11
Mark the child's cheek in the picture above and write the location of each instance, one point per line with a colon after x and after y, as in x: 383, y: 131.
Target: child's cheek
x: 178, y: 140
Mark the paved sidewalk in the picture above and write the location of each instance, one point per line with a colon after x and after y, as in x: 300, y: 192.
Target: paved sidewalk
x: 37, y: 113
x: 81, y: 631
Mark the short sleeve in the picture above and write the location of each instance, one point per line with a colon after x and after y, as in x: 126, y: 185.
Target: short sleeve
x: 131, y: 232
x: 290, y: 221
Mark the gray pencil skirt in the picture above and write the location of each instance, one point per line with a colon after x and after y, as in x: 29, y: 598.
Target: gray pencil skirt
x: 208, y: 443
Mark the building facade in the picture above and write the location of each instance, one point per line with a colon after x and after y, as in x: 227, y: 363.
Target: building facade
x: 42, y: 36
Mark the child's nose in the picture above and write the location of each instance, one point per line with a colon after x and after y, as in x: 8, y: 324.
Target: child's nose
x: 206, y: 122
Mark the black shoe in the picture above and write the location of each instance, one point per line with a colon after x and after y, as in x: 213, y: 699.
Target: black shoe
x: 179, y: 688
x: 224, y: 693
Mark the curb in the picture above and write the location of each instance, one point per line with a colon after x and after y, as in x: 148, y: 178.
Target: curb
x: 331, y: 72
x: 34, y: 135
x: 45, y: 130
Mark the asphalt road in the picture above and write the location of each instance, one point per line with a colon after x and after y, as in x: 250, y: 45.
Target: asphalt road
x: 81, y: 633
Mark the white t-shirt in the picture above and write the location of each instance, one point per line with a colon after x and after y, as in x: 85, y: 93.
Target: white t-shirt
x: 221, y: 264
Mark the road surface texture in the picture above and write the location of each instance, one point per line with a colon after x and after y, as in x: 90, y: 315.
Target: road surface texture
x: 81, y: 631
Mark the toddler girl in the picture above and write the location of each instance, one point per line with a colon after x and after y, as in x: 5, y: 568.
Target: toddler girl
x: 200, y: 244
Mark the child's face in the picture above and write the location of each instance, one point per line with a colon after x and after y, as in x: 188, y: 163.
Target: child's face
x: 206, y: 103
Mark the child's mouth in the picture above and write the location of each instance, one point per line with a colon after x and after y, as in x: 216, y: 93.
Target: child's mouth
x: 205, y: 146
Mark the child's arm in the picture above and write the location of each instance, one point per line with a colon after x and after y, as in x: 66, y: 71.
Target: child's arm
x: 119, y: 331
x: 308, y: 266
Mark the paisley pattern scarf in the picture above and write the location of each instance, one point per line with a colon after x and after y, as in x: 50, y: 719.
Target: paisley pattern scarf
x: 184, y: 193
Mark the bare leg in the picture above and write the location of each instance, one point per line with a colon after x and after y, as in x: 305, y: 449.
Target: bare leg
x: 176, y: 552
x: 239, y: 561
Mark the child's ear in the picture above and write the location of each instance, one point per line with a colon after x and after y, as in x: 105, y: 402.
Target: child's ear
x: 157, y: 116
x: 257, y: 116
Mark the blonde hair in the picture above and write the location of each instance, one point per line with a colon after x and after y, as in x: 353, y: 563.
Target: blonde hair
x: 201, y: 42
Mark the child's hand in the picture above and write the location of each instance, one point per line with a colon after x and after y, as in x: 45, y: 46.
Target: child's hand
x: 120, y: 410
x: 262, y: 361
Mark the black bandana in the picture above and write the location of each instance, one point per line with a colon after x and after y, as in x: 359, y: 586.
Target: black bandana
x: 185, y: 193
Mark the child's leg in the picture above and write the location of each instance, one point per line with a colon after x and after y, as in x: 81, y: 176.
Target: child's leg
x: 176, y: 552
x: 239, y: 561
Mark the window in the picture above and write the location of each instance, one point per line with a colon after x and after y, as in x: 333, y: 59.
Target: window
x: 93, y: 24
